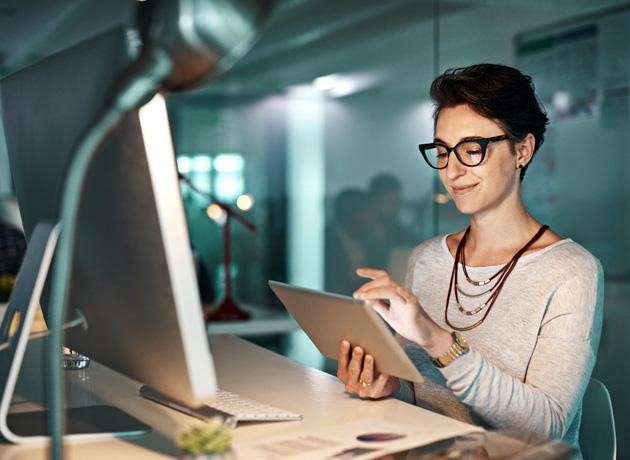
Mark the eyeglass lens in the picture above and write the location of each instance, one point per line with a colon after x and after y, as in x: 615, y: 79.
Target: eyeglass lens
x: 469, y: 153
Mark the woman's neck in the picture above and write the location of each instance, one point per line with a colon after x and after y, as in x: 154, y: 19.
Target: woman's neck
x: 496, y: 235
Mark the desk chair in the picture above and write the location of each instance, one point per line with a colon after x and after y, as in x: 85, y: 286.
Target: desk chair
x: 597, y: 430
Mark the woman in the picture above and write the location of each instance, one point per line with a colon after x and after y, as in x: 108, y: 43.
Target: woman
x: 503, y: 318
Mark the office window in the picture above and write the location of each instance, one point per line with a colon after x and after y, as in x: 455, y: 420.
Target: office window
x: 229, y: 182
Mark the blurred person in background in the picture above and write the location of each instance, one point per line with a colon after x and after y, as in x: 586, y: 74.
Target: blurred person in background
x: 345, y: 241
x: 385, y: 232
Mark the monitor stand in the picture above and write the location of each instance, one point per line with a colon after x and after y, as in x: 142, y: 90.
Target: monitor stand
x: 29, y: 427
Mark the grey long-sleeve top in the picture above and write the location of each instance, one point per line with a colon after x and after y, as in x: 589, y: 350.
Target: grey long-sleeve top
x: 531, y: 360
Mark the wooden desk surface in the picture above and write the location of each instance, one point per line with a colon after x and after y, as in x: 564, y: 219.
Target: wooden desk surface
x: 242, y: 368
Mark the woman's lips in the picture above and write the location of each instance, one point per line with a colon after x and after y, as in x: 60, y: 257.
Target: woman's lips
x: 463, y: 189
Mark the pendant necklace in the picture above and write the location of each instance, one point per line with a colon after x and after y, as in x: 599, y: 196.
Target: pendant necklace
x: 501, y: 276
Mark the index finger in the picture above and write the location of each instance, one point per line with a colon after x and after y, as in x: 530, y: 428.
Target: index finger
x: 372, y: 273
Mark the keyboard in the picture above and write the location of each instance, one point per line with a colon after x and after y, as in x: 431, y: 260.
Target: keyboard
x: 233, y: 408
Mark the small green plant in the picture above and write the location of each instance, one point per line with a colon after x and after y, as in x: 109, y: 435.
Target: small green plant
x: 6, y: 285
x: 203, y: 438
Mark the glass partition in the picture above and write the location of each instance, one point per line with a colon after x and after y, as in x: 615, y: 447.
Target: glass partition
x: 578, y: 58
x: 318, y: 127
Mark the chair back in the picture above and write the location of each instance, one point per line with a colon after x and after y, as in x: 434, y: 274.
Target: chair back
x: 597, y: 429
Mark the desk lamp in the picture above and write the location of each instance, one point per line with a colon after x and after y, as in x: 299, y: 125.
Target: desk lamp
x: 185, y: 43
x: 227, y: 310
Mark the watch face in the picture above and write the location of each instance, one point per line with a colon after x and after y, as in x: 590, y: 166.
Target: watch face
x: 460, y: 341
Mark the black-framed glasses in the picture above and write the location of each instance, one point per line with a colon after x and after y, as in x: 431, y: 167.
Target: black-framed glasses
x: 470, y: 152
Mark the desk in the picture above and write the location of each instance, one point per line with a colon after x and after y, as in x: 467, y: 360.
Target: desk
x: 264, y: 321
x: 251, y: 371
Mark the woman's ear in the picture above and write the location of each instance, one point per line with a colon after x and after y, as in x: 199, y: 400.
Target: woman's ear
x: 525, y: 150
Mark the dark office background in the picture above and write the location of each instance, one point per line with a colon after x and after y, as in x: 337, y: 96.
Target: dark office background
x: 280, y: 143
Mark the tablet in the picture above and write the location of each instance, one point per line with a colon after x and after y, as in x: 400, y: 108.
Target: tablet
x: 330, y: 318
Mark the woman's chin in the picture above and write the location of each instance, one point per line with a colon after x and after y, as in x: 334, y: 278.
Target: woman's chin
x: 465, y: 206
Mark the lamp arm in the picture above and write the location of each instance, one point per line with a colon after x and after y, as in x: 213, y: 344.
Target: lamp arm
x: 214, y: 200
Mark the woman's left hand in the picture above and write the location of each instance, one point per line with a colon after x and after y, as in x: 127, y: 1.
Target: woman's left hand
x: 357, y: 371
x: 401, y: 309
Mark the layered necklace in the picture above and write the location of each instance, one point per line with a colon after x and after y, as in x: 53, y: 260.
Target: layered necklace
x: 495, y: 283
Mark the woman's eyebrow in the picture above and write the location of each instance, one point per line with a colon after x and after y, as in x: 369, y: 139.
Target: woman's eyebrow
x: 467, y: 138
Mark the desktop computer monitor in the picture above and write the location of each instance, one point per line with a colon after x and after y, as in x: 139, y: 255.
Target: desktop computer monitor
x: 133, y: 277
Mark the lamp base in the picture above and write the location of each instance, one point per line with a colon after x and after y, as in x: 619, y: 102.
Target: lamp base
x: 228, y: 310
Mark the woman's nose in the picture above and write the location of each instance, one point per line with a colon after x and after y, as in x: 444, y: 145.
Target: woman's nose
x: 454, y: 168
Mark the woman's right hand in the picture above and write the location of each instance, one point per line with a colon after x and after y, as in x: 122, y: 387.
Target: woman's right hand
x: 356, y: 370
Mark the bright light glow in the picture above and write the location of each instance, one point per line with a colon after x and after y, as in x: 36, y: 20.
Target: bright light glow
x: 245, y: 202
x: 184, y: 165
x: 201, y: 164
x: 419, y: 119
x: 327, y: 82
x: 561, y: 101
x: 229, y: 162
x: 343, y: 88
x: 202, y: 182
x: 425, y: 113
x: 303, y: 92
x: 337, y: 85
x: 216, y: 213
x: 229, y: 186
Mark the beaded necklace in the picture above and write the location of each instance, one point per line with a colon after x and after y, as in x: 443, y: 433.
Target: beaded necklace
x: 501, y: 275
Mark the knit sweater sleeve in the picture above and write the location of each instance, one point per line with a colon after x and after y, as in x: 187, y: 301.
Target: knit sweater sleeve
x: 559, y: 369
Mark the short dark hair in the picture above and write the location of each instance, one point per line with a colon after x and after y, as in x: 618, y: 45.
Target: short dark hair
x: 495, y: 91
x: 383, y: 183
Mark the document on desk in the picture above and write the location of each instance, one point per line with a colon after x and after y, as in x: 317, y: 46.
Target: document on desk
x: 361, y: 440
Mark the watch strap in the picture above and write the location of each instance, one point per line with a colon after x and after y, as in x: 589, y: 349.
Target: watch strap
x: 459, y: 348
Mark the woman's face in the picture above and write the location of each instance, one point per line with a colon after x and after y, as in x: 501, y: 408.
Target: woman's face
x: 484, y: 187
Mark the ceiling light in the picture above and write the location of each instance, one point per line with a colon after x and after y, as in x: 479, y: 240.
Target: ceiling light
x: 343, y: 88
x: 326, y: 83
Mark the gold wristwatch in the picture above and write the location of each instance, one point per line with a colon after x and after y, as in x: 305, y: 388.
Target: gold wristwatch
x: 460, y: 347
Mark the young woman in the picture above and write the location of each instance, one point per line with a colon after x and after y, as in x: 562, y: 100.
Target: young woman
x: 502, y: 318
